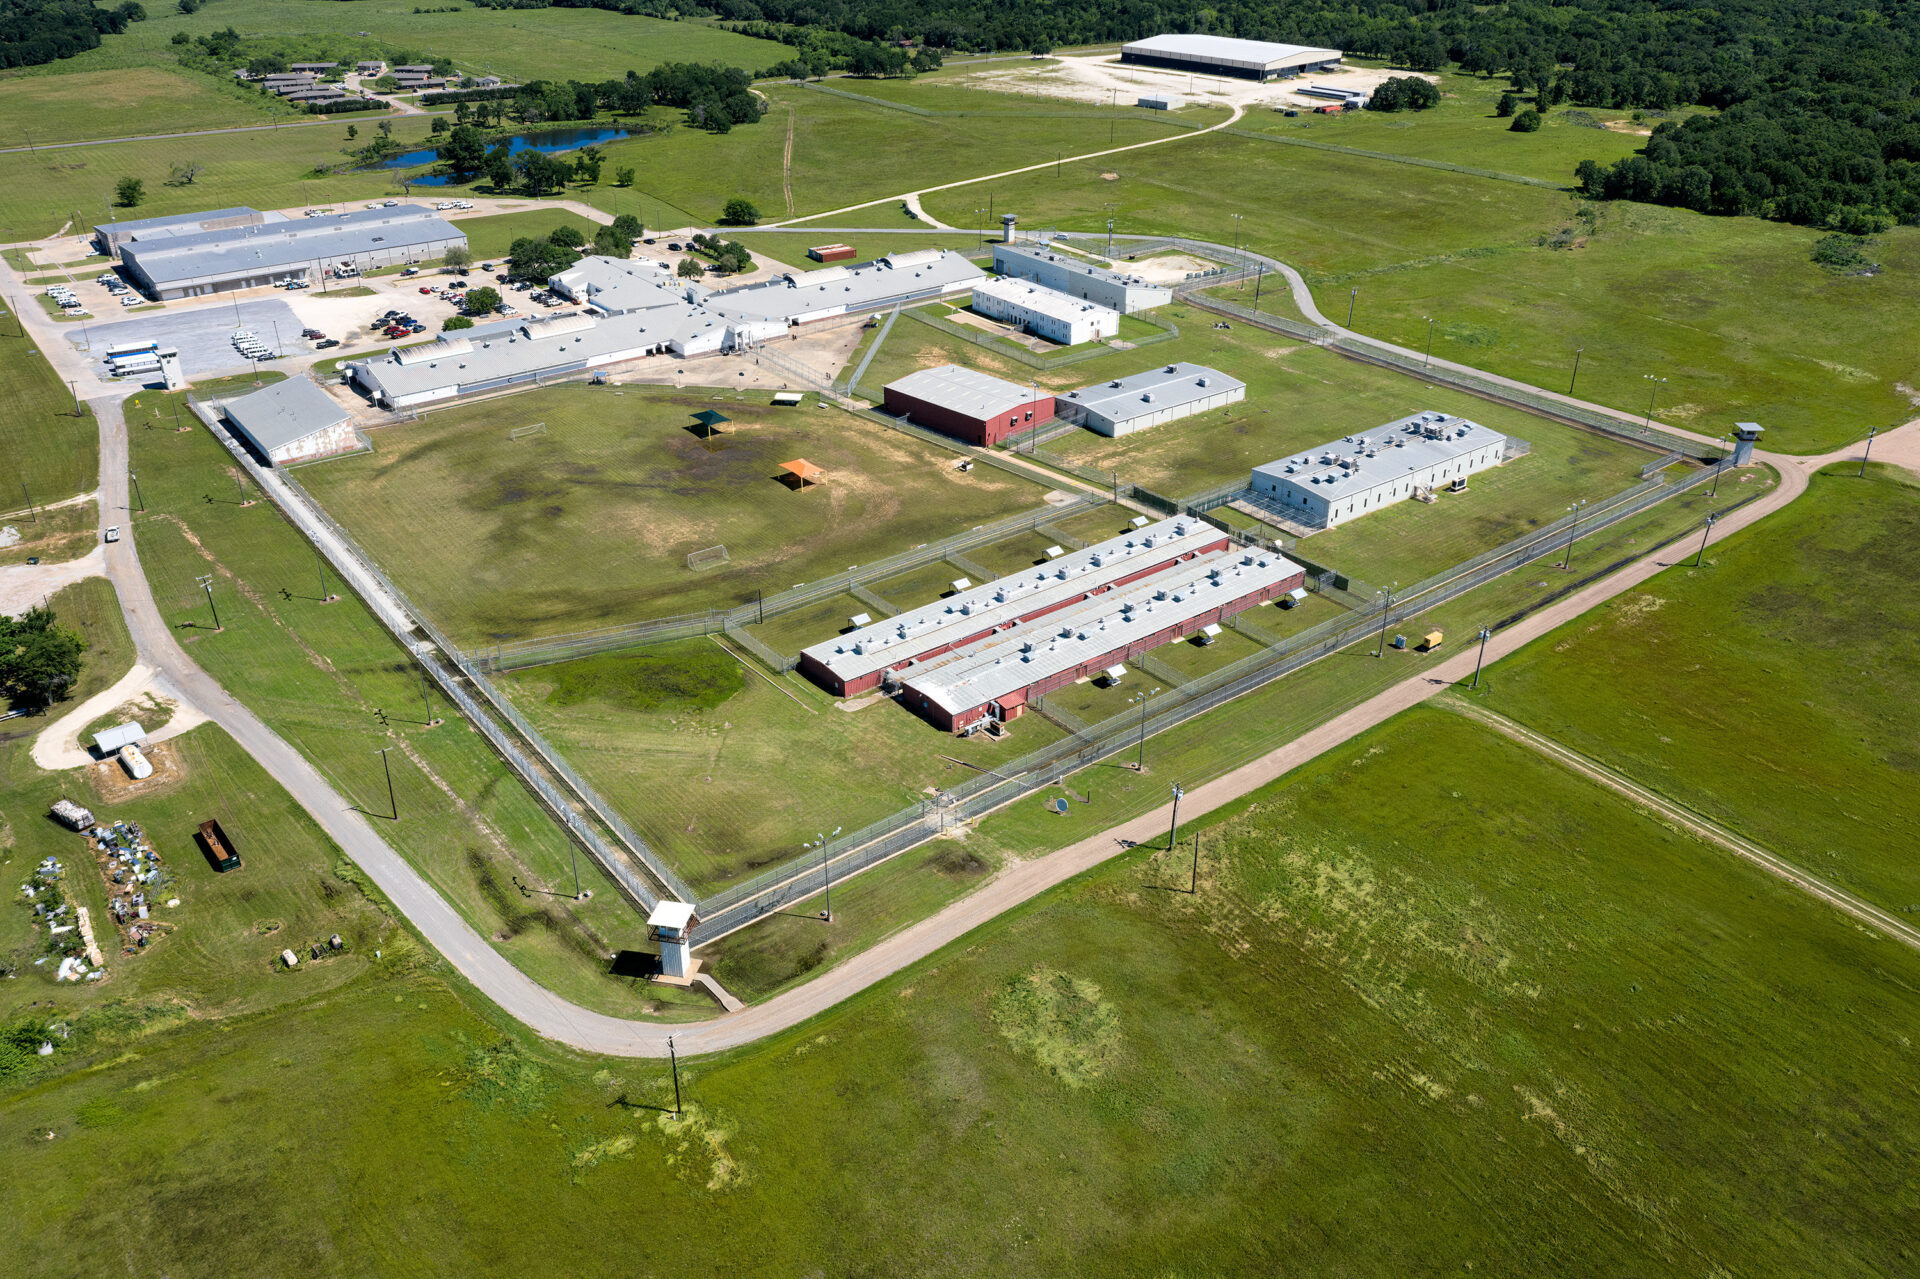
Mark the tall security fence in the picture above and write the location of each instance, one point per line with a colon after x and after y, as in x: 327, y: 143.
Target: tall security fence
x: 802, y: 877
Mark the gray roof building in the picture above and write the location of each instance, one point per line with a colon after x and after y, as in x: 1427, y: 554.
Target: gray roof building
x: 1407, y: 458
x: 291, y: 421
x: 246, y: 256
x: 1140, y: 400
x: 111, y: 235
x: 1223, y: 55
x: 963, y: 390
x: 1079, y: 278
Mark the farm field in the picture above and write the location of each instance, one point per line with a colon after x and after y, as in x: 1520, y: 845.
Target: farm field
x: 1618, y: 1051
x: 73, y: 107
x: 1772, y: 689
x: 521, y: 44
x: 1300, y: 396
x: 591, y: 523
x: 1732, y: 311
x: 46, y: 452
x: 332, y: 682
x: 726, y: 783
x: 293, y: 889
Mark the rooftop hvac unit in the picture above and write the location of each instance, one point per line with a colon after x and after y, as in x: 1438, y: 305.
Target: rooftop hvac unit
x: 1173, y: 368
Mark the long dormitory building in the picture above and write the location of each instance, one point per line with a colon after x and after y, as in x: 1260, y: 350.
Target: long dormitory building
x: 1408, y: 458
x: 232, y: 249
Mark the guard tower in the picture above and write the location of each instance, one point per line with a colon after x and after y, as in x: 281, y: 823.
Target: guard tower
x: 1006, y: 227
x: 171, y: 371
x: 1744, y: 436
x: 671, y: 924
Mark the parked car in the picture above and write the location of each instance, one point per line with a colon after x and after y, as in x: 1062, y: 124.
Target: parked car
x: 425, y: 289
x: 326, y: 343
x: 673, y: 246
x: 113, y: 532
x: 648, y: 240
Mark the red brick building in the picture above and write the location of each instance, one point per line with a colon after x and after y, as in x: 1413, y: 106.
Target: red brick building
x: 967, y: 405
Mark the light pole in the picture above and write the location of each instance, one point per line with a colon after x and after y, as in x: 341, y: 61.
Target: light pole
x: 826, y: 872
x: 385, y: 763
x: 1386, y: 611
x: 426, y: 696
x: 1259, y: 278
x: 1869, y: 451
x: 1699, y: 559
x: 1719, y: 466
x: 1429, y: 320
x: 1479, y: 661
x: 1574, y: 380
x: 675, y: 1058
x: 1140, y: 754
x: 1658, y: 382
x: 1566, y: 560
x: 1174, y: 829
x: 206, y: 584
x: 136, y: 490
x: 1353, y: 295
x: 1238, y: 218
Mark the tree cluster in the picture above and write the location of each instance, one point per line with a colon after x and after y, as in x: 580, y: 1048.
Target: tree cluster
x: 728, y: 255
x: 1404, y: 93
x: 39, y: 658
x: 531, y: 258
x: 37, y: 31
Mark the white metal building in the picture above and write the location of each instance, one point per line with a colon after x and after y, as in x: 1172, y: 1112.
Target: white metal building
x: 1037, y: 309
x: 109, y: 236
x: 1223, y: 55
x: 1141, y: 400
x: 246, y: 256
x: 1412, y: 457
x: 292, y: 421
x: 1160, y: 101
x: 1079, y: 278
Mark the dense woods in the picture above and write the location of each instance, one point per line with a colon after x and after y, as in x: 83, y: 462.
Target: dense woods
x: 36, y: 31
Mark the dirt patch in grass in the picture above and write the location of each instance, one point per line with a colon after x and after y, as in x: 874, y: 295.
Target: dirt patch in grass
x: 1060, y: 1019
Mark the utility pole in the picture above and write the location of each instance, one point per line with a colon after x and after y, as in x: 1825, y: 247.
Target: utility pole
x: 1864, y: 456
x: 1576, y: 369
x: 136, y: 490
x: 1193, y: 882
x: 675, y: 1058
x: 1174, y: 830
x: 426, y: 695
x: 32, y: 511
x: 391, y: 803
x: 1258, y: 279
x: 1353, y: 295
x: 1429, y: 362
x: 1566, y: 560
x: 1485, y: 635
x: 1701, y: 557
x: 206, y: 584
x: 321, y: 560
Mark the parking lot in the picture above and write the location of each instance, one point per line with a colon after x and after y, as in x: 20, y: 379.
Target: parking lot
x: 203, y: 336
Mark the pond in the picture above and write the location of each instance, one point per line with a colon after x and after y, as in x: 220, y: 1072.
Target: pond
x: 548, y: 141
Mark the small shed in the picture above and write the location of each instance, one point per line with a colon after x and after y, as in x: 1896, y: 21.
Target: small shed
x: 831, y: 253
x: 111, y: 740
x: 1160, y: 101
x: 787, y: 399
x: 803, y: 472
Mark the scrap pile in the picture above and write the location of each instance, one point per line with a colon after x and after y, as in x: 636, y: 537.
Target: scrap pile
x: 129, y: 859
x: 64, y: 937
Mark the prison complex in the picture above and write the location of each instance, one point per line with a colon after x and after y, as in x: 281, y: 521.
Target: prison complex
x: 986, y: 651
x: 1222, y: 55
x: 1407, y: 458
x: 1114, y: 290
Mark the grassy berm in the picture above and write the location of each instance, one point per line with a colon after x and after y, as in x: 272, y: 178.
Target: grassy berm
x: 1437, y: 1007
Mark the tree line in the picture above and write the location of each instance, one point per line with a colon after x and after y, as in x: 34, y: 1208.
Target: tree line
x: 37, y: 31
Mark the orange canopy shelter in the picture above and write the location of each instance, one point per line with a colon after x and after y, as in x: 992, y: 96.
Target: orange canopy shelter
x: 804, y: 471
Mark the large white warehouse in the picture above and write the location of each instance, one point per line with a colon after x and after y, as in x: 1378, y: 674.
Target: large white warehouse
x: 1408, y: 458
x: 1079, y: 278
x: 1140, y: 400
x: 1223, y: 55
x: 1036, y: 309
x: 247, y: 255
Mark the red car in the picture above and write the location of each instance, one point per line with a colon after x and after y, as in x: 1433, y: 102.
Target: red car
x: 425, y: 289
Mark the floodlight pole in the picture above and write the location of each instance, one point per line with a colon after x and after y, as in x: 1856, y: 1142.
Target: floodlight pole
x: 1174, y: 829
x: 1566, y: 560
x: 1485, y: 635
x: 674, y: 1057
x: 1701, y: 557
x: 1869, y: 452
x: 1140, y: 755
x: 826, y: 871
x: 1572, y: 381
x: 385, y: 763
x: 426, y: 695
x: 1353, y: 296
x: 1429, y: 360
x: 206, y: 583
x: 136, y: 490
x: 321, y: 560
x: 1658, y: 382
x: 1259, y: 278
x: 1386, y: 611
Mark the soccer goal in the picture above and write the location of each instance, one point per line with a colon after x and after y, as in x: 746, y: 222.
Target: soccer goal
x: 522, y: 432
x: 707, y: 558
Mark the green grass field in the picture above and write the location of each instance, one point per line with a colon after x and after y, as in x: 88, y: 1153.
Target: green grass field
x: 128, y: 102
x: 591, y: 523
x: 46, y: 453
x: 521, y: 44
x: 91, y: 608
x: 791, y: 249
x: 1771, y: 689
x: 1499, y: 1021
x: 727, y: 789
x: 491, y: 237
x: 332, y: 682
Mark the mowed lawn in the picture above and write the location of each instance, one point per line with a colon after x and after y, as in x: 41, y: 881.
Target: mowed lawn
x: 1299, y: 397
x: 1436, y: 1004
x: 46, y: 452
x: 591, y: 523
x: 1773, y: 689
x: 729, y: 789
x: 1731, y: 311
x: 124, y: 103
x: 491, y: 236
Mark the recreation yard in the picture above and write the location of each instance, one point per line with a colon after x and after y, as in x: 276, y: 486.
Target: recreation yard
x: 1353, y: 1047
x: 591, y: 522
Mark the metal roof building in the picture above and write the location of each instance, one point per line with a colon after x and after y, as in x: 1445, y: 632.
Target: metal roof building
x: 1408, y: 458
x: 1223, y: 55
x: 1141, y: 400
x: 1038, y: 309
x: 242, y: 257
x: 619, y: 286
x: 770, y: 307
x: 1079, y: 278
x: 966, y: 404
x: 109, y: 236
x: 850, y: 664
x: 999, y: 676
x: 291, y: 421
